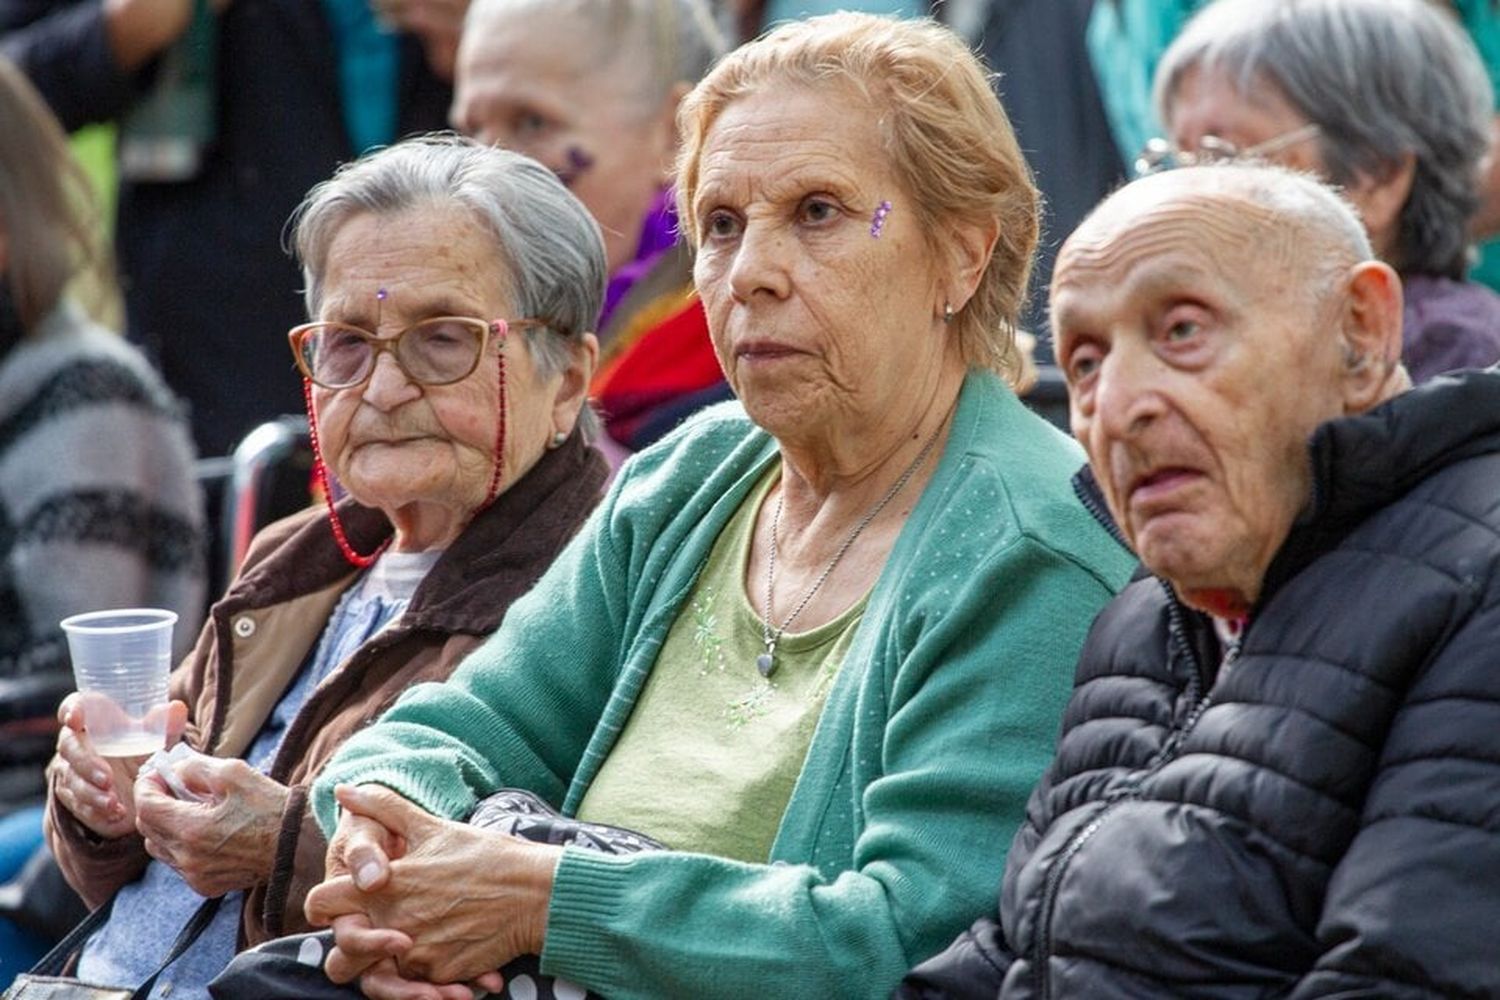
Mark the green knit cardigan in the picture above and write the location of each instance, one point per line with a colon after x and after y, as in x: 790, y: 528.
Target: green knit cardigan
x: 941, y: 719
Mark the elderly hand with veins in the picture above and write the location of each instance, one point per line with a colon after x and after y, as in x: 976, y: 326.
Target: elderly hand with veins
x: 224, y: 843
x: 420, y: 905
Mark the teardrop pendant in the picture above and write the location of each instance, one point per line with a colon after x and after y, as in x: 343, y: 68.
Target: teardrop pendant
x: 765, y: 663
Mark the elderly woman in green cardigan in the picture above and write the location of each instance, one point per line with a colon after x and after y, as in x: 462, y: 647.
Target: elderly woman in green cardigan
x: 816, y: 641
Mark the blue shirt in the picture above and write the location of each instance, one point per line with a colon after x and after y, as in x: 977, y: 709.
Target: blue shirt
x: 149, y: 913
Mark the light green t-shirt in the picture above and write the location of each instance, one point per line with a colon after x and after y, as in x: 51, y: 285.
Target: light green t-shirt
x: 708, y: 759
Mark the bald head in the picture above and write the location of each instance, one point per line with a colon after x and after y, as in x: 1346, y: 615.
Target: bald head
x: 1251, y: 214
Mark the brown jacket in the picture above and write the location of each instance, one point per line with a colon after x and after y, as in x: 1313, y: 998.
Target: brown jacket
x: 261, y: 632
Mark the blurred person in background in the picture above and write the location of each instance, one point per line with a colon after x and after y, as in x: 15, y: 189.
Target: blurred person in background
x: 591, y: 88
x: 1386, y: 99
x: 1126, y: 40
x: 815, y: 641
x: 228, y: 111
x: 98, y: 506
x: 451, y: 286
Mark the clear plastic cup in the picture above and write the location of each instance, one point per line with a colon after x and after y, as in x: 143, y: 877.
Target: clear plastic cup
x: 121, y: 661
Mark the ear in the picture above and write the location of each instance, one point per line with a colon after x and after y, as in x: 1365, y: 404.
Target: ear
x: 971, y: 243
x: 1371, y: 337
x: 665, y: 128
x: 1380, y: 200
x: 573, y: 385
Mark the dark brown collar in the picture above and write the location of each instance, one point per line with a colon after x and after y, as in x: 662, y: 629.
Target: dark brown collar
x: 498, y: 557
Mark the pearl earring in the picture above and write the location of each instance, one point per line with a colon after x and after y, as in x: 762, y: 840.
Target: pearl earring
x: 557, y: 439
x: 947, y: 312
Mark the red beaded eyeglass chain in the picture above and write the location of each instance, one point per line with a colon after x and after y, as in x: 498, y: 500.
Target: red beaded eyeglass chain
x: 320, y: 469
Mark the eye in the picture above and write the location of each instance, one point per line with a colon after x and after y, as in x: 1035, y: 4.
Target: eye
x: 817, y: 210
x: 1082, y: 362
x: 445, y: 334
x: 528, y: 125
x: 339, y: 338
x: 1183, y: 331
x: 721, y: 224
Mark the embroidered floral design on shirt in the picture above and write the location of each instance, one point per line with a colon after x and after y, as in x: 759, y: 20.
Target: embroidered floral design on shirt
x: 706, y: 638
x: 755, y: 704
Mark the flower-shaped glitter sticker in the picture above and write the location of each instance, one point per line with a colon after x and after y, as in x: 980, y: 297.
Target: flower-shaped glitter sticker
x: 878, y: 222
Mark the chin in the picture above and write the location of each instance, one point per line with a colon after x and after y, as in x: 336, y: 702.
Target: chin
x: 783, y: 411
x: 1186, y: 562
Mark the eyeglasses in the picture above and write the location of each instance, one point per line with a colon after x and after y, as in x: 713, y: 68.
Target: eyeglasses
x: 1159, y: 154
x: 437, y: 351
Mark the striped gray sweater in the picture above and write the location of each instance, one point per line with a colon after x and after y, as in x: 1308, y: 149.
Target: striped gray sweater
x: 98, y: 505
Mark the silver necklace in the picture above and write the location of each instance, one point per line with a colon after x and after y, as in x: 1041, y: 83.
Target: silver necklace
x: 766, y: 661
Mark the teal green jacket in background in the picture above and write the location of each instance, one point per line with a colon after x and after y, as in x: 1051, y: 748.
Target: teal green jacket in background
x: 941, y: 720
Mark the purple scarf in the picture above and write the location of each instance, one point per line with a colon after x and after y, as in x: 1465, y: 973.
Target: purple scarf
x: 658, y: 235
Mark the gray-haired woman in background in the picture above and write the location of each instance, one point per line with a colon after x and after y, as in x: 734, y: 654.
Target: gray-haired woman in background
x: 1386, y: 98
x: 591, y: 88
x: 452, y: 288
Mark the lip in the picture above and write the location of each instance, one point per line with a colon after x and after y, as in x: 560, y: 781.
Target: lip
x: 1151, y: 491
x: 390, y: 442
x: 764, y: 350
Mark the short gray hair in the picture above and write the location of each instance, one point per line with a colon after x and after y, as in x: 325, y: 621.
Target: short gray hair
x: 549, y: 243
x: 677, y: 40
x: 1380, y: 78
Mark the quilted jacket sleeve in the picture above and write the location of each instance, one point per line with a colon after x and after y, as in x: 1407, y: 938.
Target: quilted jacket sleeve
x: 971, y: 968
x: 1412, y: 908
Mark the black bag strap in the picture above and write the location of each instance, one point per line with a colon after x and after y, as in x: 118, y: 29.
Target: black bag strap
x: 55, y: 962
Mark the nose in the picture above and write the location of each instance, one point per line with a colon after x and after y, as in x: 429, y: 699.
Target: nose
x: 759, y: 265
x: 388, y: 386
x: 1127, y: 397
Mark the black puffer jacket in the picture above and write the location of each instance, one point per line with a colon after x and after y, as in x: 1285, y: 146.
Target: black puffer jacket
x: 1316, y: 815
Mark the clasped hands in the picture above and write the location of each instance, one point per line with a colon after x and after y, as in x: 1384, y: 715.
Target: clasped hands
x: 223, y: 843
x: 421, y: 906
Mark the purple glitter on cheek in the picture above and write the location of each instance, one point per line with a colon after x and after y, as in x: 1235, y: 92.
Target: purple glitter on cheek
x: 578, y: 161
x: 877, y: 223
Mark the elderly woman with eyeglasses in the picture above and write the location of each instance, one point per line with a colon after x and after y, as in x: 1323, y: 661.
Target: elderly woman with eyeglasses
x: 815, y: 641
x: 452, y: 287
x: 1387, y: 99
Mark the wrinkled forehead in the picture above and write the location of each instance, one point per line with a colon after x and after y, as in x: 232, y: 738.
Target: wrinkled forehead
x: 1222, y: 241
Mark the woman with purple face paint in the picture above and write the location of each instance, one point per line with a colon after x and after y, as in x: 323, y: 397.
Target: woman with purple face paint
x: 452, y: 287
x: 591, y: 89
x: 816, y: 641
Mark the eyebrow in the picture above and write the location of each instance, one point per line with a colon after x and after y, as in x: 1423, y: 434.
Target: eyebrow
x: 363, y: 314
x: 782, y: 187
x: 1153, y: 279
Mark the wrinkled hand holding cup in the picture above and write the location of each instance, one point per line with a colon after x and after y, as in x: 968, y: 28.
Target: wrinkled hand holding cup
x: 121, y: 662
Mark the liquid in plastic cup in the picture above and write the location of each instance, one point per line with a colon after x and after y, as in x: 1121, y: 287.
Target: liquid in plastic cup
x: 121, y: 661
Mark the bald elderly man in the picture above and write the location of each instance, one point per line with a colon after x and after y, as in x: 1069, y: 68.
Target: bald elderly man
x: 1279, y: 774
